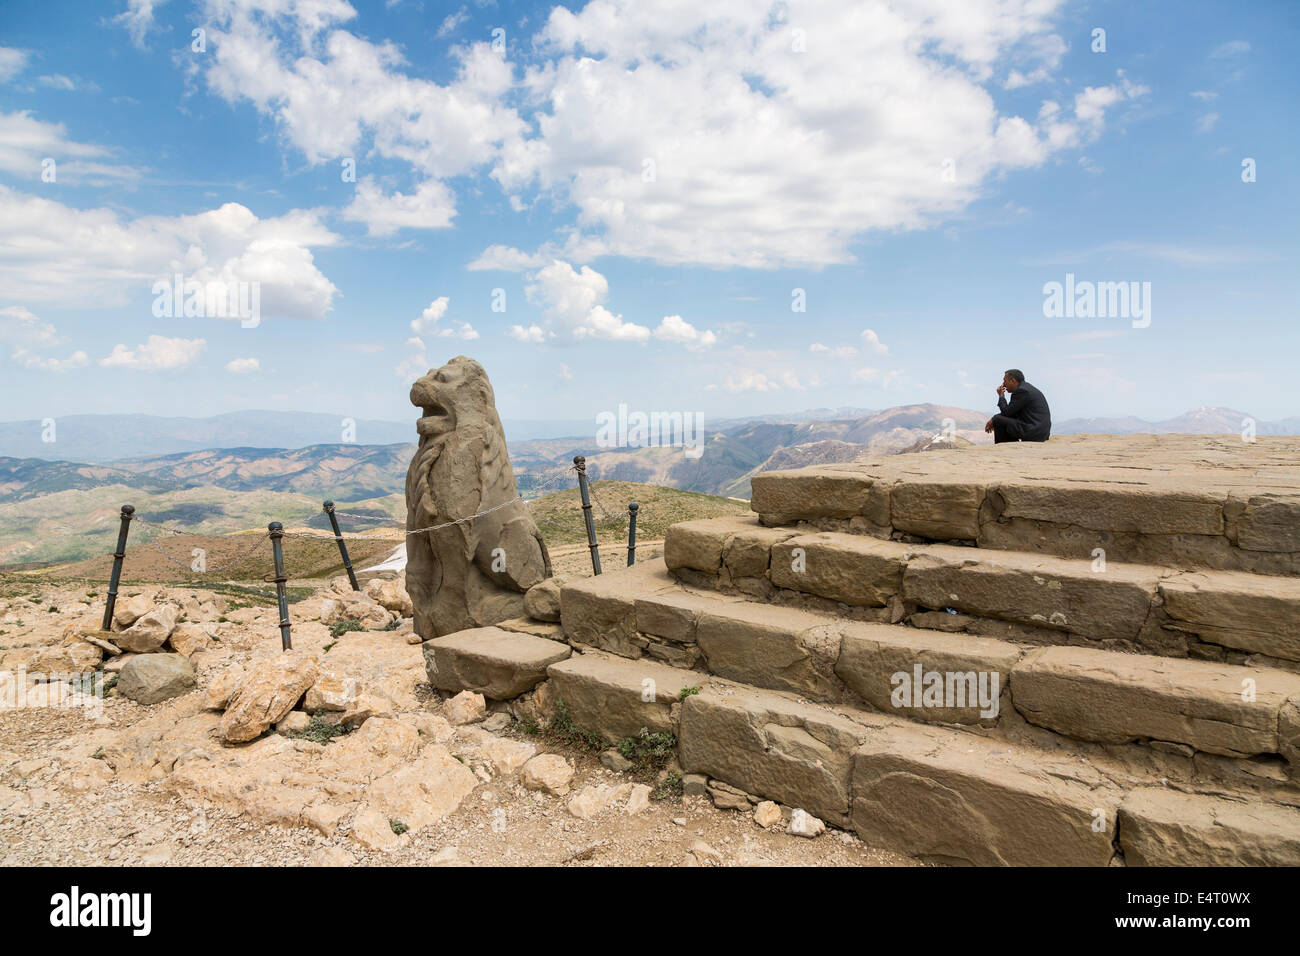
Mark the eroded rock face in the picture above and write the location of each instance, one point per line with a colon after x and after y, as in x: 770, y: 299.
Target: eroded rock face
x: 473, y: 573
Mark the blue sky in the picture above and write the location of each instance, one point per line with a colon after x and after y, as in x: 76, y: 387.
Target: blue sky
x: 644, y: 186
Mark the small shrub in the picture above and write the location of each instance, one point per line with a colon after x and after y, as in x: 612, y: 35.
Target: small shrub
x: 339, y: 628
x: 398, y: 826
x: 320, y: 731
x: 687, y: 692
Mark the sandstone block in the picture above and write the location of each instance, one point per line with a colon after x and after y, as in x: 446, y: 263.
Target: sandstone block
x: 490, y: 661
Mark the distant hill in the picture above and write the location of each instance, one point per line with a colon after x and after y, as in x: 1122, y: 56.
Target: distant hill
x: 1205, y: 420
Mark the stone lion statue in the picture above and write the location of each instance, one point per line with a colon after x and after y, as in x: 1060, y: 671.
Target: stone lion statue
x: 476, y: 572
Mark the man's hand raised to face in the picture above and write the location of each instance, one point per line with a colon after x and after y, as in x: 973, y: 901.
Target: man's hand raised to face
x: 1002, y: 390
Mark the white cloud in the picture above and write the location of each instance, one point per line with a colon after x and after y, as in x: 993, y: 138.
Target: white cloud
x: 243, y: 366
x: 137, y: 18
x: 674, y: 328
x: 57, y: 81
x: 1206, y: 123
x: 19, y: 326
x: 506, y: 259
x: 565, y: 373
x: 872, y: 341
x: 533, y: 333
x: 77, y: 359
x: 427, y: 323
x: 839, y: 351
x: 572, y: 301
x: 750, y: 382
x: 22, y: 329
x: 26, y: 142
x: 12, y: 62
x: 416, y: 363
x: 1204, y: 96
x: 1231, y: 48
x: 452, y: 21
x: 158, y: 353
x: 52, y: 252
x: 431, y: 206
x: 334, y: 94
x: 845, y: 139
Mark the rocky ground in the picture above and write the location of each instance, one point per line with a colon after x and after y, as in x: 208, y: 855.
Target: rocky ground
x: 337, y: 753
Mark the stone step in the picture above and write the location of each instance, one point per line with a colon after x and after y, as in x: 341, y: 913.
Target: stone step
x: 1159, y: 827
x: 960, y: 799
x: 1117, y: 698
x: 929, y: 676
x: 1177, y: 501
x: 940, y: 794
x: 496, y: 663
x: 1038, y: 598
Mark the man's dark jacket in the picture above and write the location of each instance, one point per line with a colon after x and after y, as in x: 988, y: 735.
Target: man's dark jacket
x: 1026, y: 417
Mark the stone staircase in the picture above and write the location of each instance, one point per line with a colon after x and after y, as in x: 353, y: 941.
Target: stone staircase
x: 1093, y: 661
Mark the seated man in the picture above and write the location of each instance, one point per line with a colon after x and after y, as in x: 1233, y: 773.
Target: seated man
x: 1026, y: 417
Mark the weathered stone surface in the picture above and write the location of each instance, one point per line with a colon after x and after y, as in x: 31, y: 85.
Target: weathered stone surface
x: 150, y: 631
x: 878, y: 662
x: 590, y: 801
x: 951, y: 797
x: 804, y: 824
x: 128, y: 610
x: 618, y: 698
x: 70, y: 657
x: 151, y: 678
x: 487, y: 660
x: 391, y: 595
x: 267, y: 691
x: 1047, y: 592
x: 810, y: 493
x: 1115, y: 698
x: 543, y: 600
x: 672, y: 616
x: 461, y: 468
x: 600, y: 611
x: 854, y: 569
x: 549, y: 772
x: 773, y: 647
x: 772, y: 745
x: 331, y: 691
x: 750, y: 549
x: 1288, y: 731
x: 698, y: 545
x: 1269, y: 522
x: 420, y: 793
x: 1158, y: 509
x: 1248, y: 612
x: 467, y: 707
x: 767, y: 814
x: 1159, y: 827
x: 943, y: 510
x: 189, y: 639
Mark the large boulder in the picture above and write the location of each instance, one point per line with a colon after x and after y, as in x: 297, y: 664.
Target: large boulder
x: 267, y: 692
x: 474, y: 572
x: 150, y: 631
x: 150, y: 678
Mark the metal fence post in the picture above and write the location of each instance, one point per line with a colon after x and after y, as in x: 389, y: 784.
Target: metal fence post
x: 631, y: 533
x: 343, y: 548
x: 580, y: 463
x: 277, y: 532
x: 118, y: 555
